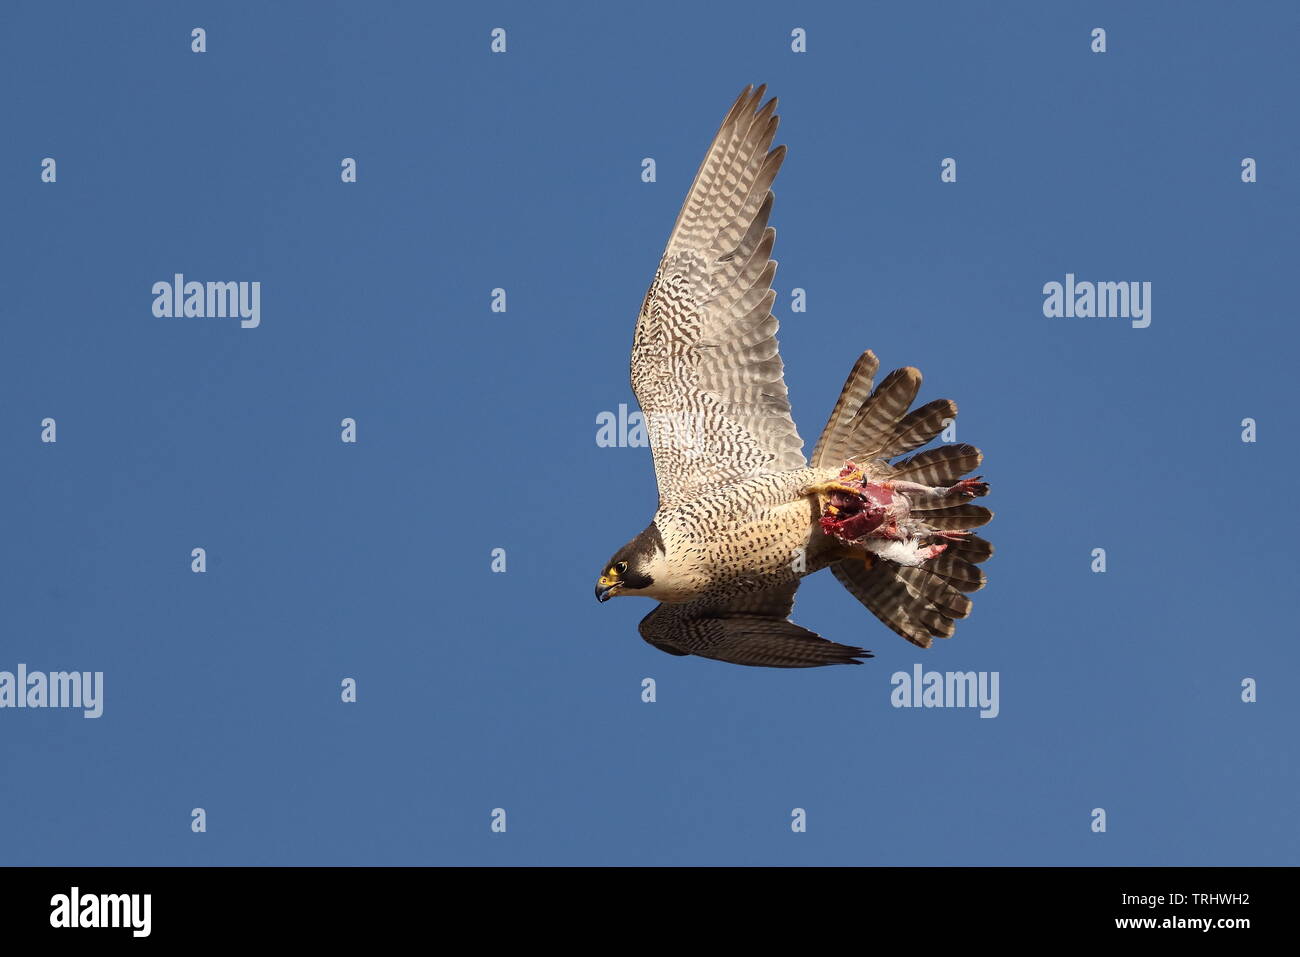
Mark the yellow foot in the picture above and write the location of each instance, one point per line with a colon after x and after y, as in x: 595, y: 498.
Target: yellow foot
x: 839, y: 551
x: 825, y: 488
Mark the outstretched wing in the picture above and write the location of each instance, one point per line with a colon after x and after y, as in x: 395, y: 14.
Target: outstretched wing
x: 749, y: 630
x: 705, y: 365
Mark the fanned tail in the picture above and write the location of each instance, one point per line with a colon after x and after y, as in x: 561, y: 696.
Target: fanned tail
x: 871, y: 426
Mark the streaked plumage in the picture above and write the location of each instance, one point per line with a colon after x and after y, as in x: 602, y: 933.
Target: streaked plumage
x: 737, y: 524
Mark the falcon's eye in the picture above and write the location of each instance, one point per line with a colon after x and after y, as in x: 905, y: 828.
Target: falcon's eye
x: 621, y: 567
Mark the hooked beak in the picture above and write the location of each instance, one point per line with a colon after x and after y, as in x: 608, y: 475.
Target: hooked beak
x: 605, y: 589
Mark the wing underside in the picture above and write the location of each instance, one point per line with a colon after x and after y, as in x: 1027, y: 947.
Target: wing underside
x: 705, y: 363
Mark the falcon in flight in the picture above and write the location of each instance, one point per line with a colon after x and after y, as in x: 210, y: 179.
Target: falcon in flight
x: 742, y: 515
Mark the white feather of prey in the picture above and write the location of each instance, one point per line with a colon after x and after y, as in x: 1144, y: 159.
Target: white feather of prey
x: 909, y: 551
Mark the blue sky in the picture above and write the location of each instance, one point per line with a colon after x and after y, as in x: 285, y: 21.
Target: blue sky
x: 476, y: 430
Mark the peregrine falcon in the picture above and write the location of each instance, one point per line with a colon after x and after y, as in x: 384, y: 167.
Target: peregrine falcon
x: 742, y: 515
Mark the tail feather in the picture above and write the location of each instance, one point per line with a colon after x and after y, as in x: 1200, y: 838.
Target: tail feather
x: 918, y: 427
x: 874, y: 424
x: 936, y: 620
x: 832, y: 447
x: 957, y: 518
x: 971, y: 548
x: 885, y: 597
x: 934, y: 590
x: 957, y: 572
x: 864, y: 420
x: 941, y: 466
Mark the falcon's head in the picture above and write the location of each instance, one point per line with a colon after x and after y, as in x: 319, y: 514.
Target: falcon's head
x: 632, y: 568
